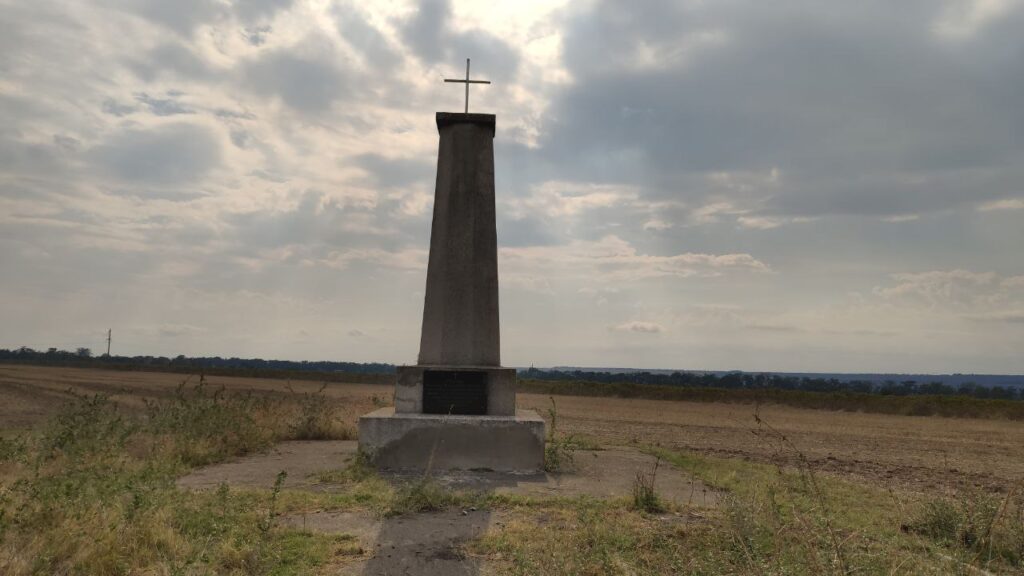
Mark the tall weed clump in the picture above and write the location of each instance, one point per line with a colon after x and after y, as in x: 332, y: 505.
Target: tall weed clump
x: 78, y: 499
x: 559, y: 451
x: 981, y: 528
x: 200, y: 425
x: 316, y: 419
x: 645, y: 497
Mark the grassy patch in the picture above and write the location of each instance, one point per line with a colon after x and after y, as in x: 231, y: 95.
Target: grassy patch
x: 92, y: 491
x: 770, y: 522
x: 978, y: 528
x: 421, y: 496
x: 777, y: 520
x: 589, y: 537
x: 426, y: 495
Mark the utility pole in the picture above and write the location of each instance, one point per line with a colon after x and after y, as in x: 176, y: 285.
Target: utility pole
x: 108, y: 341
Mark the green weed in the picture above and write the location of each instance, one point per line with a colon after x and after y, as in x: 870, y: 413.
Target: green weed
x: 423, y: 495
x: 645, y: 498
x: 559, y: 455
x: 359, y: 469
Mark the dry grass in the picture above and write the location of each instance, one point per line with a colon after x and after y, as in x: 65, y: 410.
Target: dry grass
x: 92, y: 490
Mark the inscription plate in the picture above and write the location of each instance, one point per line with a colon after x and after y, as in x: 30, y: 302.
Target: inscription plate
x: 455, y: 392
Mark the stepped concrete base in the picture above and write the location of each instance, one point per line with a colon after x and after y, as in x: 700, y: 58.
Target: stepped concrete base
x: 453, y: 442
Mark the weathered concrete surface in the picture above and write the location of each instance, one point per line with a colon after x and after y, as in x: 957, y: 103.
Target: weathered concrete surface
x: 605, y: 473
x: 446, y: 442
x: 429, y: 544
x: 299, y: 459
x: 501, y: 388
x: 435, y: 543
x: 460, y: 311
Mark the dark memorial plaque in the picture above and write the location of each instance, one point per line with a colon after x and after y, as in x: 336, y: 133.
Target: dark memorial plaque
x: 455, y: 392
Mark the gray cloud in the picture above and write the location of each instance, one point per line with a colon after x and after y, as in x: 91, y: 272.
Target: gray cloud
x: 525, y: 231
x: 862, y: 114
x: 305, y: 82
x: 251, y: 10
x: 171, y: 58
x: 394, y: 172
x: 424, y: 32
x: 181, y: 16
x: 353, y: 26
x: 316, y: 225
x: 639, y: 327
x: 31, y: 159
x: 257, y: 35
x: 114, y: 108
x: 173, y: 154
x: 162, y: 106
x: 430, y: 36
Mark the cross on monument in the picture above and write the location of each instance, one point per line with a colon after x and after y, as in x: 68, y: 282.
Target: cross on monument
x: 467, y: 82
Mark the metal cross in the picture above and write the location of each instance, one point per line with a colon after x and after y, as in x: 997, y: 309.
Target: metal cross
x: 467, y: 82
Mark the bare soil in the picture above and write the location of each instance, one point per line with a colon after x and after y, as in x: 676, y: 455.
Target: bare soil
x: 919, y: 453
x: 300, y: 460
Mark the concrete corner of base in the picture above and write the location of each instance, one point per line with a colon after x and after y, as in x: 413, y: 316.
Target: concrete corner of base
x: 451, y: 442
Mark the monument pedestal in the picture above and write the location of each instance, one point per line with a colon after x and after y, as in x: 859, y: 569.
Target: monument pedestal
x: 457, y: 407
x: 441, y: 442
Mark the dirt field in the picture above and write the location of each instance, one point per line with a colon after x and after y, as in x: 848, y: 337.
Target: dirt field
x: 918, y: 453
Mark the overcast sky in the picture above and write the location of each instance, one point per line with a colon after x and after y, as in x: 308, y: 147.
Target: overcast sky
x: 788, y: 185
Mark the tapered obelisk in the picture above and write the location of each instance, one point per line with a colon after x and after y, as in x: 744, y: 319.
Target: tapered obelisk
x: 456, y: 408
x: 460, y: 312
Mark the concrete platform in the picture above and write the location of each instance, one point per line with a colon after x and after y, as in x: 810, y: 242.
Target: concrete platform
x: 453, y: 442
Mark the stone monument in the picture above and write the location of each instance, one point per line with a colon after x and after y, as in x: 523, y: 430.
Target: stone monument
x: 456, y: 408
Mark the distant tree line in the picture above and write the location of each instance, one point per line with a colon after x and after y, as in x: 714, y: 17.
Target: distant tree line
x: 754, y: 381
x: 84, y: 357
